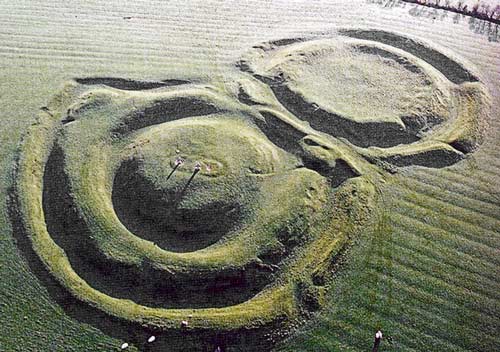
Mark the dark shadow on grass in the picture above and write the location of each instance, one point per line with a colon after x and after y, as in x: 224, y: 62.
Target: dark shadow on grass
x: 437, y: 158
x: 453, y: 70
x: 129, y: 84
x: 280, y: 133
x: 165, y: 110
x: 366, y: 134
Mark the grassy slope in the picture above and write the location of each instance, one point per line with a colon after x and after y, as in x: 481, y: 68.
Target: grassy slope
x: 427, y: 278
x: 427, y: 274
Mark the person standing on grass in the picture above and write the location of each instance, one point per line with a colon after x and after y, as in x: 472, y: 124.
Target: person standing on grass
x: 376, y: 343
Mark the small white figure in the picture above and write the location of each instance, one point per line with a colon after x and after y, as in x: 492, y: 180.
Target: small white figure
x: 376, y: 343
x: 179, y: 161
x: 152, y: 339
x: 184, y: 324
x: 124, y: 346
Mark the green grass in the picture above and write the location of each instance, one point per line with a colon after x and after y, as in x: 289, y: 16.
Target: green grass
x: 426, y: 272
x: 429, y: 281
x: 293, y: 207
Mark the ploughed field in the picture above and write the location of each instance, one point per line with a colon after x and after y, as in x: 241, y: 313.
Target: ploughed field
x: 248, y: 177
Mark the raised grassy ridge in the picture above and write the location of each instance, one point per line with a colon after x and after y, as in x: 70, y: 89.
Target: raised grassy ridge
x: 260, y: 213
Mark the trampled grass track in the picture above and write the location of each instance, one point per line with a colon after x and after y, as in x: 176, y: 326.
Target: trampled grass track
x: 429, y: 274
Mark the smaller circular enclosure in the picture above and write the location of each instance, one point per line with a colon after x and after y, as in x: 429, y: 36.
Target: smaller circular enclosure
x: 364, y: 82
x: 369, y: 93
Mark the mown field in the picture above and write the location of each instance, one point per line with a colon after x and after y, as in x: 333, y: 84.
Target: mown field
x: 426, y: 272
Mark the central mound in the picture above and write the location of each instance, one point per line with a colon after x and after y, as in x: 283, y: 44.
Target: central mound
x: 187, y: 186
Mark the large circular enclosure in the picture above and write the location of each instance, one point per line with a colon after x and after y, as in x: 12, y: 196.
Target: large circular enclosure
x: 172, y: 204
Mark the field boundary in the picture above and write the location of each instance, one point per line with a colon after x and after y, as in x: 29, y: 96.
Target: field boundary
x: 477, y: 11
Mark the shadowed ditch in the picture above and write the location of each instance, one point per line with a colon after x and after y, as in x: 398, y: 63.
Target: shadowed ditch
x: 128, y: 84
x: 288, y: 138
x: 280, y: 133
x: 434, y: 158
x: 371, y: 50
x: 366, y: 134
x: 165, y: 110
x: 454, y: 71
x: 144, y: 285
